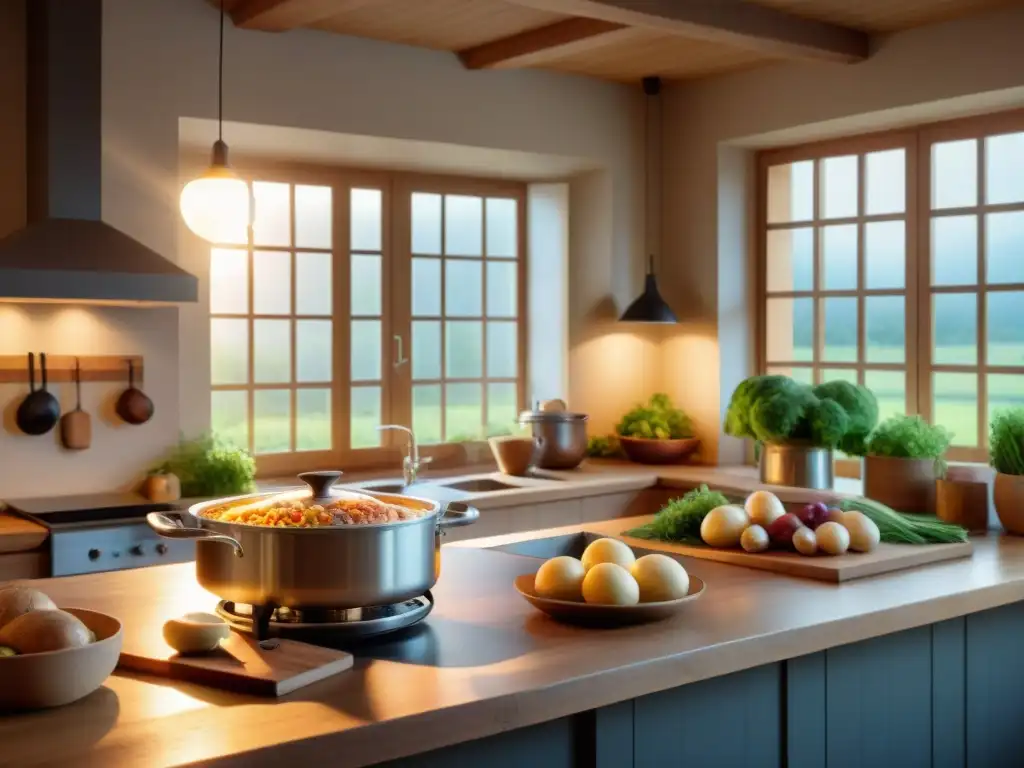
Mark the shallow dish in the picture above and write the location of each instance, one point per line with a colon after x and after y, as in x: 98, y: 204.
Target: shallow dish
x: 606, y: 615
x: 39, y: 680
x: 647, y: 451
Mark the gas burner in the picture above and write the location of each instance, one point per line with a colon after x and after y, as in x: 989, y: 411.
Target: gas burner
x: 265, y: 621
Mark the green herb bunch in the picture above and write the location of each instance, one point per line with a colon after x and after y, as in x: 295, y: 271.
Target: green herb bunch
x: 680, y: 519
x: 909, y: 437
x: 604, y: 447
x: 1006, y: 441
x: 659, y: 419
x: 210, y: 466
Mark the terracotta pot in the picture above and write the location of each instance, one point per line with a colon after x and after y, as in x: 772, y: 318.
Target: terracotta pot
x: 1009, y: 498
x: 161, y: 487
x: 906, y: 485
x: 964, y: 503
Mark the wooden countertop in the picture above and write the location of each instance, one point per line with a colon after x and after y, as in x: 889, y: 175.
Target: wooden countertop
x: 482, y: 663
x: 19, y: 535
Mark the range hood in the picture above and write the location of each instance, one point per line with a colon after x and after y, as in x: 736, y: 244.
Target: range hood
x: 67, y: 252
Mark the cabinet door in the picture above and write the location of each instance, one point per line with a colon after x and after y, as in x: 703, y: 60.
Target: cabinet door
x: 995, y: 687
x: 726, y: 722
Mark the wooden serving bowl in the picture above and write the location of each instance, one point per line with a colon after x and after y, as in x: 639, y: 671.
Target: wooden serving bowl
x: 645, y: 451
x: 39, y: 680
x: 606, y: 615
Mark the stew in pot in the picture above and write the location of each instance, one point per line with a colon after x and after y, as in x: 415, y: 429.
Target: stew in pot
x: 297, y: 512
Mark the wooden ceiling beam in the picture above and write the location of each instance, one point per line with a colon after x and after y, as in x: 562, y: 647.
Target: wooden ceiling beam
x: 538, y: 46
x: 283, y: 15
x: 735, y: 22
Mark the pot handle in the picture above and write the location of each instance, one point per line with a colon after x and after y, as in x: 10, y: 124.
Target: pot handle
x: 173, y: 529
x: 457, y: 513
x: 320, y: 482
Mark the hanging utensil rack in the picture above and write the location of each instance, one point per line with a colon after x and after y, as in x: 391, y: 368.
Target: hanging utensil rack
x: 61, y: 368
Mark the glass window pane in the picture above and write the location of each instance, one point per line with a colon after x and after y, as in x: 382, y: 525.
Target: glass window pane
x: 839, y: 374
x: 272, y: 217
x: 463, y: 288
x: 956, y: 406
x: 229, y: 416
x: 313, y: 216
x: 365, y: 417
x: 885, y: 188
x: 1004, y: 247
x: 365, y: 350
x: 502, y: 351
x: 313, y: 284
x: 798, y: 373
x: 426, y: 349
x: 272, y: 351
x: 463, y: 349
x: 890, y: 389
x: 955, y: 328
x: 501, y: 227
x: 839, y: 317
x: 366, y: 285
x: 463, y: 225
x: 1005, y: 390
x: 426, y: 287
x: 272, y: 410
x: 229, y: 282
x: 313, y: 350
x: 1004, y: 169
x: 791, y: 259
x: 502, y: 408
x: 426, y: 413
x: 790, y: 330
x: 955, y: 174
x: 366, y: 219
x: 272, y: 283
x: 955, y: 250
x: 791, y: 192
x: 463, y: 412
x: 885, y: 260
x: 426, y: 223
x: 839, y: 257
x: 229, y: 351
x: 313, y: 420
x: 502, y: 279
x: 886, y: 329
x: 839, y: 187
x: 1005, y: 328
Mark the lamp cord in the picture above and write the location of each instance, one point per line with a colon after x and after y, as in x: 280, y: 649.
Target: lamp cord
x: 220, y: 78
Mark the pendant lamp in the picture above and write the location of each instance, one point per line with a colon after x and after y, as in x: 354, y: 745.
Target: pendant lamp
x: 649, y: 307
x: 216, y: 206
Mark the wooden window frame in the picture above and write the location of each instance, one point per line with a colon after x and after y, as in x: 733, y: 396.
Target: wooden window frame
x: 396, y: 309
x: 917, y: 142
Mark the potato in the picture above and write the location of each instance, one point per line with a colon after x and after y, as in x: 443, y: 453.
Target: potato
x: 18, y: 600
x: 41, y: 631
x: 763, y: 508
x: 660, y: 578
x: 610, y: 584
x: 833, y: 539
x: 560, y: 578
x: 723, y: 526
x: 608, y: 551
x: 864, y: 534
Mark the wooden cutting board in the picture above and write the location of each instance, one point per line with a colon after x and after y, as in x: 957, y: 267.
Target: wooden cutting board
x: 241, y: 665
x: 852, y: 565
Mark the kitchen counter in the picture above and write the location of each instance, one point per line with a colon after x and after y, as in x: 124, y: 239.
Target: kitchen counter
x: 485, y: 663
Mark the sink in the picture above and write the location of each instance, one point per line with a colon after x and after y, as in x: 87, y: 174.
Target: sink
x: 480, y: 485
x: 383, y: 486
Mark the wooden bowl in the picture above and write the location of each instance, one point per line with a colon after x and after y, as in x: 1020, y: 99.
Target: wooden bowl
x: 39, y: 680
x: 644, y: 451
x: 606, y: 615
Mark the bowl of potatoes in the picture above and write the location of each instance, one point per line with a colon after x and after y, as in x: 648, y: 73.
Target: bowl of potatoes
x: 609, y: 586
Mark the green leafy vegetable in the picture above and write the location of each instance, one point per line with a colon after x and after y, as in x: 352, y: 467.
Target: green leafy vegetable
x: 210, y: 466
x: 680, y: 519
x: 604, y: 447
x: 1006, y: 441
x: 909, y: 437
x: 658, y: 420
x: 900, y: 528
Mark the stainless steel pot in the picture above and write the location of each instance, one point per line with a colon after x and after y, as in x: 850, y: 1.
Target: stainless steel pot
x: 336, y: 566
x: 801, y: 466
x: 563, y: 437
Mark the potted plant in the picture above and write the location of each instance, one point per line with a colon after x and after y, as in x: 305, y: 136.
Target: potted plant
x: 903, y: 458
x: 798, y: 426
x: 656, y: 433
x: 210, y: 466
x: 1006, y: 448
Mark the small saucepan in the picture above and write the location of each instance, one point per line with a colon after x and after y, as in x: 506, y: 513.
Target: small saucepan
x: 133, y: 406
x: 39, y: 411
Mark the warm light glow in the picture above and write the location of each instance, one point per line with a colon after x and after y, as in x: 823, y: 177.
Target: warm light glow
x: 216, y: 206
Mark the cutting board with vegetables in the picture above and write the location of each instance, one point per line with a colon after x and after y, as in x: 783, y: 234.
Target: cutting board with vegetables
x: 817, y: 542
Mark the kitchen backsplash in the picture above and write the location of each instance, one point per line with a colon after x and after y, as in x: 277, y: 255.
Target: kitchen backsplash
x: 120, y: 454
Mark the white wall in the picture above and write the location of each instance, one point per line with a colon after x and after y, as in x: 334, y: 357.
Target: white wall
x: 931, y: 73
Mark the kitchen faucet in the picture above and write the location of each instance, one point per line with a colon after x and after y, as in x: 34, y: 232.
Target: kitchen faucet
x: 412, y: 462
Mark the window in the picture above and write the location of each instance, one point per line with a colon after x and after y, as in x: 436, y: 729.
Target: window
x: 362, y: 299
x: 909, y: 293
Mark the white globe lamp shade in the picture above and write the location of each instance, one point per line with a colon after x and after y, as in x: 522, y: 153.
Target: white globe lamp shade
x: 217, y: 205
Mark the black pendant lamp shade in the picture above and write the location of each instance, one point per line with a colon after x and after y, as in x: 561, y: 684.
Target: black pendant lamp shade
x: 649, y: 307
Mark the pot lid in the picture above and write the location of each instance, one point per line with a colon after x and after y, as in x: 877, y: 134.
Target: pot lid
x: 531, y: 417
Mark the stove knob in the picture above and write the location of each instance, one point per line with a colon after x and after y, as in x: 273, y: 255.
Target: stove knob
x: 161, y: 549
x: 94, y: 554
x: 136, y: 550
